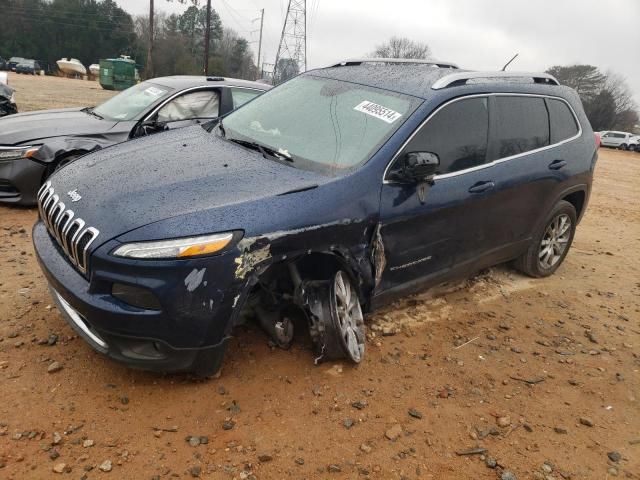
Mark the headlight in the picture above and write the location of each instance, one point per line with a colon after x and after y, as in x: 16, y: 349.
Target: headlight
x: 15, y: 153
x: 178, y: 248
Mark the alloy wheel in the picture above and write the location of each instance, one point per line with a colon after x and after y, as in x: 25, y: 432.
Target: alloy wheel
x: 349, y: 318
x: 555, y: 241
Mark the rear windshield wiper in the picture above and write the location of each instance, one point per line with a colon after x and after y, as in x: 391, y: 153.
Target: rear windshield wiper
x: 263, y: 149
x: 90, y: 111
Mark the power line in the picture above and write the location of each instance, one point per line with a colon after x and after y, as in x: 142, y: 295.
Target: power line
x: 235, y: 15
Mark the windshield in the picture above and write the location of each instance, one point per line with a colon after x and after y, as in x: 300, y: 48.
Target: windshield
x: 321, y: 124
x: 133, y: 102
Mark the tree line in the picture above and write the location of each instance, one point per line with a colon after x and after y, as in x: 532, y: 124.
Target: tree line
x: 90, y: 30
x: 606, y: 97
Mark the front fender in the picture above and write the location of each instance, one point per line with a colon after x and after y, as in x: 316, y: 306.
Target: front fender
x: 348, y: 244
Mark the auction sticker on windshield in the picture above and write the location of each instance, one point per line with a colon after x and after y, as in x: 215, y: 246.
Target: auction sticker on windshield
x: 156, y: 92
x: 378, y: 111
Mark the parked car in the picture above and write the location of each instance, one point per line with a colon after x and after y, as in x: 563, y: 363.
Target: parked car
x: 634, y: 143
x: 28, y: 67
x: 328, y: 196
x: 13, y: 63
x: 616, y: 139
x: 7, y: 102
x: 33, y: 145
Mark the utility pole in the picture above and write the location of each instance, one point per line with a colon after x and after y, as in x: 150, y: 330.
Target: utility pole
x: 260, y: 41
x: 150, y: 49
x: 207, y: 39
x: 291, y: 58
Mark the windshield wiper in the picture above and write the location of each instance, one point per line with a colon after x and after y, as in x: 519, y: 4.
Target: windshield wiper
x: 90, y: 111
x: 263, y: 149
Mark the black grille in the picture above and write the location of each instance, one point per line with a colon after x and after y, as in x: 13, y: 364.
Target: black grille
x: 71, y: 233
x: 7, y: 187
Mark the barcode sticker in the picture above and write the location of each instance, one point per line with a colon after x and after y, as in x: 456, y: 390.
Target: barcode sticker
x: 383, y: 113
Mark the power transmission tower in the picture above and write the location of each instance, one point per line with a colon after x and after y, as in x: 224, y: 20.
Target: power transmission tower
x: 260, y: 42
x: 207, y: 40
x: 291, y: 58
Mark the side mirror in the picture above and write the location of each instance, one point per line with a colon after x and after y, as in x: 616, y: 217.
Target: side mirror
x: 420, y: 166
x: 150, y: 127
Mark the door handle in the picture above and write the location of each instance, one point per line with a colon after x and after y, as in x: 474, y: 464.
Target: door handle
x: 482, y: 187
x: 557, y: 164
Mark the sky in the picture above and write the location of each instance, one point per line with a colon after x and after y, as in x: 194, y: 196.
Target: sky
x: 475, y: 34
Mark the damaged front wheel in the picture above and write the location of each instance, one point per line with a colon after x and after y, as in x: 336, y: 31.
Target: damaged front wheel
x: 335, y: 315
x: 347, y: 317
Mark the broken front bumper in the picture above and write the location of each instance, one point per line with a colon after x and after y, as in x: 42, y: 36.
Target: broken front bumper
x: 187, y: 332
x: 20, y: 180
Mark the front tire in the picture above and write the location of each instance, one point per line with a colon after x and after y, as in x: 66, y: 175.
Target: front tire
x: 347, y: 317
x: 551, y: 243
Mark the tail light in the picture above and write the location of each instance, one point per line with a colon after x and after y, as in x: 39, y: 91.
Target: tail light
x: 598, y: 140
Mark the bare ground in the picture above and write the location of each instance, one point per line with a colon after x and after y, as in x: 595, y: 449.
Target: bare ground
x: 534, y: 371
x: 41, y: 93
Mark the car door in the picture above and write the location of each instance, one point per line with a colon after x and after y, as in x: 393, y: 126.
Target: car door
x: 426, y: 229
x: 190, y: 108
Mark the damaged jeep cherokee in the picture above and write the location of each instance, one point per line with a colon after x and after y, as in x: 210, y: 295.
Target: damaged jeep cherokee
x: 320, y: 200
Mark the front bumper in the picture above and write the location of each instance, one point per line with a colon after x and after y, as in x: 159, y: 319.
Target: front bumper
x: 20, y: 180
x: 191, y: 338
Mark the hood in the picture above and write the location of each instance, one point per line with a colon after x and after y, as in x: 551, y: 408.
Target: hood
x: 33, y: 126
x: 168, y: 175
x: 6, y: 91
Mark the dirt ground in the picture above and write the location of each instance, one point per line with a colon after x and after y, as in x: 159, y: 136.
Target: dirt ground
x: 41, y: 93
x: 543, y: 374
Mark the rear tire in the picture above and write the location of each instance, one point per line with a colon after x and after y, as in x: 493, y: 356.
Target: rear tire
x: 550, y: 245
x: 624, y: 147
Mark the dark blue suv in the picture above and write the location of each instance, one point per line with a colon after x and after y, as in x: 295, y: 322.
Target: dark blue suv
x: 322, y: 199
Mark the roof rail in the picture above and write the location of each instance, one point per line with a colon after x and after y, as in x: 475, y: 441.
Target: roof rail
x: 462, y: 77
x: 359, y: 61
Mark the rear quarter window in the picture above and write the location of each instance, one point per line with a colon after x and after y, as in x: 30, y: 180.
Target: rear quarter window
x: 521, y: 124
x: 563, y: 122
x: 241, y: 96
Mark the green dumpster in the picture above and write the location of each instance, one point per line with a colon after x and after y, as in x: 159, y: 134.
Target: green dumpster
x: 117, y: 73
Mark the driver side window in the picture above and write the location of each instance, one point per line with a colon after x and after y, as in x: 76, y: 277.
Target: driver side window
x: 457, y: 134
x: 203, y: 104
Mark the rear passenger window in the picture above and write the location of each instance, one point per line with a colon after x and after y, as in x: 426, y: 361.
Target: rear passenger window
x: 563, y: 123
x: 521, y: 125
x: 457, y: 134
x: 241, y: 96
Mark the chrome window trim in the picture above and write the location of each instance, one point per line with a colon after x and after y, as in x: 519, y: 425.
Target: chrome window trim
x: 247, y: 88
x: 493, y: 162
